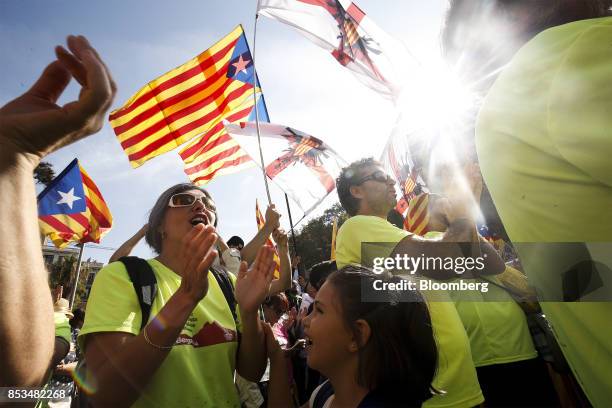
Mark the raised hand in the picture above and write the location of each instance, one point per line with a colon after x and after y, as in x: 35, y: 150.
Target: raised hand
x: 33, y: 125
x: 273, y: 349
x: 280, y: 237
x: 272, y: 218
x: 198, y: 255
x: 252, y: 286
x: 291, y: 318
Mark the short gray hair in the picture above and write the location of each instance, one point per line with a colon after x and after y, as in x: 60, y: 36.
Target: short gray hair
x: 153, y: 237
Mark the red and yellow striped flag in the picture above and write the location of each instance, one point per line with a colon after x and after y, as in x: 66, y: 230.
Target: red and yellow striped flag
x: 417, y: 217
x: 216, y: 153
x: 186, y: 102
x: 72, y: 209
x: 269, y: 241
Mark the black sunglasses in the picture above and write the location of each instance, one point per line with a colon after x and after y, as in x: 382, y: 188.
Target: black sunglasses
x: 379, y: 176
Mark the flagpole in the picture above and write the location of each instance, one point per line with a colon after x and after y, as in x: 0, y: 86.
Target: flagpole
x: 78, y: 272
x: 295, y: 249
x: 263, y: 166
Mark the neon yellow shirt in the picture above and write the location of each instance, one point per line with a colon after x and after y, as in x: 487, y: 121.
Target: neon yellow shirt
x: 455, y: 373
x: 199, y: 370
x: 544, y: 145
x: 62, y: 326
x: 495, y: 324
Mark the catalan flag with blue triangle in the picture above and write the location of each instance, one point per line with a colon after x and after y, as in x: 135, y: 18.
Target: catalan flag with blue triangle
x: 215, y: 153
x: 71, y: 208
x: 189, y: 103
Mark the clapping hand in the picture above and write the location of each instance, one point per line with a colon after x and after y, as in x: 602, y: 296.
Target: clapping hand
x: 33, y: 125
x: 198, y: 255
x: 253, y: 285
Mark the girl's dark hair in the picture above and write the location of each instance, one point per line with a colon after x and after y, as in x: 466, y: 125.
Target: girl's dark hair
x: 78, y: 315
x: 319, y: 273
x: 278, y: 302
x: 153, y: 237
x: 399, y: 359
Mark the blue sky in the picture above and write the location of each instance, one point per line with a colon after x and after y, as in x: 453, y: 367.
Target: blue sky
x: 139, y: 40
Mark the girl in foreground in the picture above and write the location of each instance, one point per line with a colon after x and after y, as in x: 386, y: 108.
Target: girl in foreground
x: 374, y: 354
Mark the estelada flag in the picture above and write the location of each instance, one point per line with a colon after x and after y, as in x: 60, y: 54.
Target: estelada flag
x: 216, y: 153
x: 269, y: 241
x: 72, y: 209
x: 189, y: 101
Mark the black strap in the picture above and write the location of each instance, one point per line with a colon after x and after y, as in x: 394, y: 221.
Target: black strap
x: 145, y: 284
x: 323, y: 394
x: 225, y: 283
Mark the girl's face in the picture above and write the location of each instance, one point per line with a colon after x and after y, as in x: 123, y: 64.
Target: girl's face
x: 270, y: 314
x: 330, y: 345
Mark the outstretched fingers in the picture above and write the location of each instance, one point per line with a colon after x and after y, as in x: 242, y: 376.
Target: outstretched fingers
x: 264, y: 263
x: 242, y: 272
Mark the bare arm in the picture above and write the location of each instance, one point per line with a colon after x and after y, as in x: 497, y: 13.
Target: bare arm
x: 123, y: 363
x: 272, y: 222
x: 251, y: 290
x: 284, y: 280
x: 126, y: 248
x: 454, y: 246
x: 279, y: 389
x: 60, y: 350
x: 31, y: 127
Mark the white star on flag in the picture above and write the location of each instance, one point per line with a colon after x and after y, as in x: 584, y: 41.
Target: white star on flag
x: 68, y: 198
x: 241, y: 65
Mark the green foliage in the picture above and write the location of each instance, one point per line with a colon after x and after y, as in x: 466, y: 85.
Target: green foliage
x: 81, y: 293
x: 60, y: 272
x: 44, y: 173
x: 63, y: 273
x: 314, y: 238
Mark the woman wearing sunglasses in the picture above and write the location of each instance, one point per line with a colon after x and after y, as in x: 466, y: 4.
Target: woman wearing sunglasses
x: 187, y: 352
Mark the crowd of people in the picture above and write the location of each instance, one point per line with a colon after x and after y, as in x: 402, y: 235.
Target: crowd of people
x: 205, y: 323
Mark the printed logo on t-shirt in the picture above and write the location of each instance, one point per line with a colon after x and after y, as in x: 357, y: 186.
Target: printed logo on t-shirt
x: 209, y: 335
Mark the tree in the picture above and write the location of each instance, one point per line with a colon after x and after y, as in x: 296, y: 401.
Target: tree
x: 314, y: 238
x: 60, y: 272
x: 44, y: 173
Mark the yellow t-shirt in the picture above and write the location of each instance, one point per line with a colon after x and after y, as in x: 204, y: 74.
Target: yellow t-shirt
x: 455, y: 373
x: 544, y: 146
x: 199, y: 370
x: 62, y: 326
x: 495, y: 324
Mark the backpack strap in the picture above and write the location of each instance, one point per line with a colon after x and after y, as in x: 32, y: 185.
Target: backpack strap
x: 145, y: 284
x: 227, y: 287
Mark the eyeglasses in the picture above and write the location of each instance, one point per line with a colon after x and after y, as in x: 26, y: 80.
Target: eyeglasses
x: 188, y: 199
x: 379, y: 176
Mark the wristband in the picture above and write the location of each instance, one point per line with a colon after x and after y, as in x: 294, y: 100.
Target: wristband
x: 144, y: 331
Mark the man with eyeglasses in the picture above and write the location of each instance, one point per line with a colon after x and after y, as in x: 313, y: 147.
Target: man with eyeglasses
x: 367, y: 193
